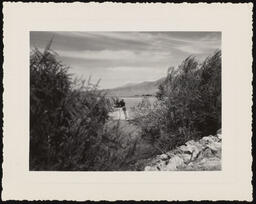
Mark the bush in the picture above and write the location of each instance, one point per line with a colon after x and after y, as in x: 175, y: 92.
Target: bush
x: 66, y: 117
x: 118, y: 147
x: 189, y: 104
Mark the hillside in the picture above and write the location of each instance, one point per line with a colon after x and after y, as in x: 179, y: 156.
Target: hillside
x: 143, y: 88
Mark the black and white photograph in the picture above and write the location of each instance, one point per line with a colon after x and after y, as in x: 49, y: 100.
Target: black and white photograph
x: 112, y: 101
x: 125, y: 101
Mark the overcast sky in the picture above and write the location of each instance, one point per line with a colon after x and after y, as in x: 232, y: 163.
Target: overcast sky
x: 119, y: 58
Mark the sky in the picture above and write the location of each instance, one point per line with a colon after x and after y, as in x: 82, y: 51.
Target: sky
x: 119, y: 58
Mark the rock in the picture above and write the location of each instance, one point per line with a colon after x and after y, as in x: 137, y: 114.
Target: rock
x: 161, y: 165
x: 191, y: 147
x: 151, y: 168
x: 147, y: 168
x: 215, y: 147
x: 206, y: 140
x: 195, y: 154
x: 190, y: 143
x: 186, y: 149
x: 201, y: 155
x: 206, y: 153
x: 218, y: 131
x: 186, y: 158
x: 194, y: 145
x: 216, y: 139
x: 190, y: 166
x: 174, y: 163
x: 173, y: 153
x: 210, y: 164
x: 164, y: 157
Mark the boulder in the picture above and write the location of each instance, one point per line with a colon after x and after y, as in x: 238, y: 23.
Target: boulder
x: 186, y: 158
x: 163, y: 157
x: 194, y: 145
x: 174, y: 163
x: 206, y: 153
x: 215, y: 147
x: 161, y: 166
x: 186, y: 149
x: 206, y: 140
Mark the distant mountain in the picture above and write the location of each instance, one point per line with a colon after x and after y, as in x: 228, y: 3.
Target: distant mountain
x: 131, y: 89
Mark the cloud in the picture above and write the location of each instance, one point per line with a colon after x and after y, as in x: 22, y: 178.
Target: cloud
x: 80, y: 41
x: 196, y: 48
x: 117, y: 57
x: 134, y: 68
x: 101, y: 54
x: 124, y: 36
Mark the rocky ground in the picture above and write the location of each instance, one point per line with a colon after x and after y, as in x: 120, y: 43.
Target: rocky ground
x: 204, y: 154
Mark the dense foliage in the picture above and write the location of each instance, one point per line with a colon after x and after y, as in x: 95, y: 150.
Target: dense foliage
x: 188, y: 106
x: 66, y: 117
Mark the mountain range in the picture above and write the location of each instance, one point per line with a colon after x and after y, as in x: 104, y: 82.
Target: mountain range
x: 133, y: 89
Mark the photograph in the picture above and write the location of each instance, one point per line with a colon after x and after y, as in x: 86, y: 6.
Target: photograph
x: 125, y: 101
x: 145, y: 101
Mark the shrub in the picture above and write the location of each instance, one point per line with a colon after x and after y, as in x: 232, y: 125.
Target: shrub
x: 118, y: 147
x: 149, y: 117
x: 66, y: 118
x: 189, y: 104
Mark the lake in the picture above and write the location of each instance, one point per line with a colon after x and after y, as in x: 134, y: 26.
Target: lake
x: 129, y: 103
x: 134, y: 101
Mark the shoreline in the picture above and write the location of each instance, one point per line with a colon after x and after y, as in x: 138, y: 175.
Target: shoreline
x: 131, y: 96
